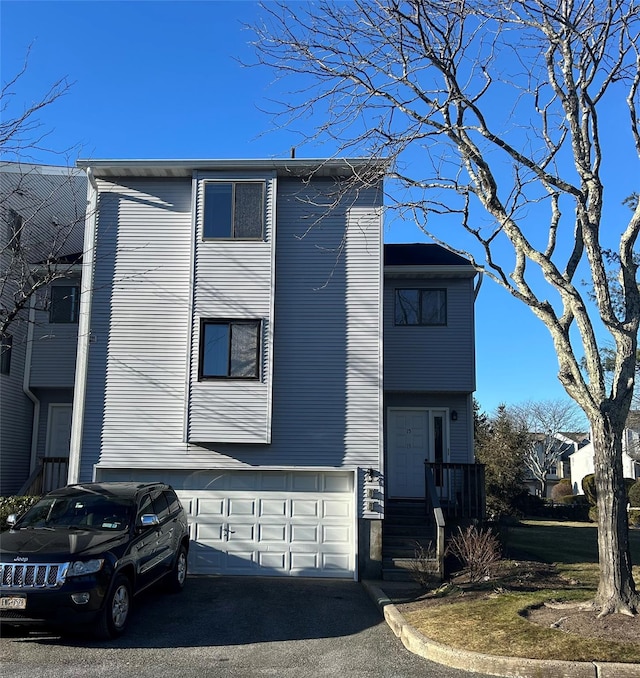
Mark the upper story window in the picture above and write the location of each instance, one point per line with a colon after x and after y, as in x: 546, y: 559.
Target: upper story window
x: 234, y: 210
x: 229, y: 349
x: 6, y: 342
x: 420, y: 307
x: 16, y: 223
x: 65, y: 304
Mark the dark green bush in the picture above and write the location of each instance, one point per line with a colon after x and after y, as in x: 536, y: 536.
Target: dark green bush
x: 589, y: 488
x: 562, y: 489
x: 634, y: 517
x: 593, y: 514
x: 634, y: 494
x: 17, y: 505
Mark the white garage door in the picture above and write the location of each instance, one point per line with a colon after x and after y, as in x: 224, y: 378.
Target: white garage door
x: 273, y: 523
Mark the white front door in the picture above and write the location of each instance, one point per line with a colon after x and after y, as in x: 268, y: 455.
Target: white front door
x: 407, y: 450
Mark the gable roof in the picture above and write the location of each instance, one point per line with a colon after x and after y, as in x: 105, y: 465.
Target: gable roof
x: 419, y: 259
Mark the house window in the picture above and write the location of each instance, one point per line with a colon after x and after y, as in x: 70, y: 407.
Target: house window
x: 5, y: 354
x: 229, y: 349
x: 421, y: 307
x: 16, y: 223
x: 233, y: 210
x: 64, y: 304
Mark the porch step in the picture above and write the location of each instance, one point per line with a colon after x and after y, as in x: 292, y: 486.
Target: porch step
x: 405, y: 529
x: 401, y: 569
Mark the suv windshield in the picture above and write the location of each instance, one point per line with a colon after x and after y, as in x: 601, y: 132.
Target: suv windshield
x: 84, y: 511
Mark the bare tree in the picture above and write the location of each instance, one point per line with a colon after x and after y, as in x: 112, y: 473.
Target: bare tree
x: 495, y: 115
x: 42, y: 210
x: 547, y: 422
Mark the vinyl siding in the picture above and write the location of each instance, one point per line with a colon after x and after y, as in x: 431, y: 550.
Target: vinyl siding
x: 53, y: 357
x: 52, y: 203
x: 441, y: 358
x: 325, y: 318
x: 139, y: 325
x: 233, y: 280
x: 16, y: 416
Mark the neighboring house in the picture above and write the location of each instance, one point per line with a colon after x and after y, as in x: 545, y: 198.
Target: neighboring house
x: 582, y: 460
x: 559, y: 447
x: 42, y: 212
x: 232, y: 344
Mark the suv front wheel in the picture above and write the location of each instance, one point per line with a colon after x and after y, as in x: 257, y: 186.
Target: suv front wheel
x: 115, y: 614
x: 178, y: 575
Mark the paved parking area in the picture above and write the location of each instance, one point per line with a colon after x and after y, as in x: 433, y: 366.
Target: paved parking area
x: 243, y: 627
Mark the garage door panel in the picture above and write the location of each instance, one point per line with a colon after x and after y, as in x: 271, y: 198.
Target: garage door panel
x: 209, y: 507
x: 304, y: 534
x: 281, y: 523
x: 276, y: 533
x: 335, y: 509
x: 273, y: 507
x: 242, y: 507
x: 209, y: 532
x: 273, y: 560
x: 237, y: 532
x: 335, y: 534
x: 304, y: 507
x: 304, y: 561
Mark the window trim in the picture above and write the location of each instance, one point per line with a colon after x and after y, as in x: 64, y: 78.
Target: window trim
x: 257, y: 322
x: 421, y: 291
x: 233, y: 183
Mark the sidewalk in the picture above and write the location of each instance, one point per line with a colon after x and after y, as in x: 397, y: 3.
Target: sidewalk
x: 513, y: 667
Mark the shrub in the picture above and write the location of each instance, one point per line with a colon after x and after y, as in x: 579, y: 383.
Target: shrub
x: 593, y: 514
x: 634, y: 494
x: 562, y: 489
x: 423, y: 567
x: 17, y: 505
x: 589, y: 488
x: 634, y: 517
x: 478, y: 551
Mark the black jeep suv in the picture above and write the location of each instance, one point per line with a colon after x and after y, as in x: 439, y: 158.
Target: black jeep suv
x: 78, y: 556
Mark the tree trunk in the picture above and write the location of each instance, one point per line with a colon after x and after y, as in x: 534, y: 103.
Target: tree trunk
x: 616, y: 589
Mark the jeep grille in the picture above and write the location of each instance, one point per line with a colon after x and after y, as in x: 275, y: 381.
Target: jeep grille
x: 36, y: 576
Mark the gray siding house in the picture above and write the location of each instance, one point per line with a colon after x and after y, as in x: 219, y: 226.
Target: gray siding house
x: 42, y: 210
x: 231, y: 344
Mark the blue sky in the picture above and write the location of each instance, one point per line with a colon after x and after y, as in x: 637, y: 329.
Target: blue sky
x: 162, y: 80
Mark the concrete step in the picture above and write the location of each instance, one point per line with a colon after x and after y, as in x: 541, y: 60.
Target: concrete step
x: 400, y: 569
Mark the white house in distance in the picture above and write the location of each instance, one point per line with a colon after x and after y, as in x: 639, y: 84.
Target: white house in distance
x: 42, y: 213
x: 244, y: 337
x: 582, y: 460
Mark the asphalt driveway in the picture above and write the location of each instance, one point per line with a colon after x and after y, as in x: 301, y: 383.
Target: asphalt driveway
x: 243, y: 627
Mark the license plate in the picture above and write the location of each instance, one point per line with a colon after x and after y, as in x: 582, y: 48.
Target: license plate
x: 13, y: 603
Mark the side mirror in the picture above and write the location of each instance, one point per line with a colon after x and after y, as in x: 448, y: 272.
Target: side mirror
x: 12, y: 519
x: 149, y: 520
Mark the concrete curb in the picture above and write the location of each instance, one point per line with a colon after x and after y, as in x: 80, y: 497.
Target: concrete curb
x: 510, y: 667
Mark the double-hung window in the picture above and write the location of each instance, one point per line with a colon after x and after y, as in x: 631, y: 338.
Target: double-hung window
x: 65, y: 304
x: 229, y: 349
x: 233, y: 210
x: 420, y: 307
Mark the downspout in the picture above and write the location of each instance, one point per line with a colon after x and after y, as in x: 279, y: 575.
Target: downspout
x: 26, y: 387
x: 84, y: 330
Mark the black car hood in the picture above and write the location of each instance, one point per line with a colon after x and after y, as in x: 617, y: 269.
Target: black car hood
x: 43, y: 544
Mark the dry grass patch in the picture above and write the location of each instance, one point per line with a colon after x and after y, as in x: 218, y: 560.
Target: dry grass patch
x: 493, y: 622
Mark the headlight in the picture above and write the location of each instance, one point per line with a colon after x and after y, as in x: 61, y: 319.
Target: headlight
x: 80, y: 567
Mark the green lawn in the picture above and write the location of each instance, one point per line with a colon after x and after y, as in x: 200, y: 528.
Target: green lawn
x: 552, y: 542
x: 493, y: 623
